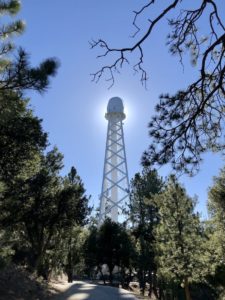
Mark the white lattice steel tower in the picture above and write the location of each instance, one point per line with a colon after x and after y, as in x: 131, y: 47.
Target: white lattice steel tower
x: 115, y: 183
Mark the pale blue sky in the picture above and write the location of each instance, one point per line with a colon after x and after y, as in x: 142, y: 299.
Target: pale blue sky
x: 73, y: 108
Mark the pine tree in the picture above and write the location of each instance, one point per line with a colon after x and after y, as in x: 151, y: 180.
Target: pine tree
x: 21, y: 138
x: 216, y: 205
x: 110, y: 245
x: 143, y: 215
x: 74, y: 213
x: 16, y: 73
x: 7, y: 32
x: 181, y: 255
x: 21, y: 135
x: 113, y: 246
x: 91, y: 254
x: 22, y: 142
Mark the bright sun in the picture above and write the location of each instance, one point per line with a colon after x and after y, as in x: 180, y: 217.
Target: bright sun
x: 101, y: 108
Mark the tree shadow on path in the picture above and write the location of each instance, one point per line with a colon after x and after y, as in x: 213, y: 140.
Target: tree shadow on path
x: 84, y: 291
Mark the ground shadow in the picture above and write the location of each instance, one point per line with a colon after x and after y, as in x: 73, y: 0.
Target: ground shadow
x: 88, y: 291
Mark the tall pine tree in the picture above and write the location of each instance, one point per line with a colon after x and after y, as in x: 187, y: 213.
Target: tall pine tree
x: 144, y: 217
x: 181, y: 255
x: 216, y: 205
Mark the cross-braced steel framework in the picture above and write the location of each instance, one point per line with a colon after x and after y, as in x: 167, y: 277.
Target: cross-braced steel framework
x: 115, y: 184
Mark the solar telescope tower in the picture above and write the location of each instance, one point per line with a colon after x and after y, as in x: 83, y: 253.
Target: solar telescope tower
x: 115, y: 184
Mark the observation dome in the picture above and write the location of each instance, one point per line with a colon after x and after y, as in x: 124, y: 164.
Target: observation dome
x: 115, y: 104
x: 115, y: 109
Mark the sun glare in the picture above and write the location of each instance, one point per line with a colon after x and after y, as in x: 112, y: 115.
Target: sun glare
x: 101, y: 109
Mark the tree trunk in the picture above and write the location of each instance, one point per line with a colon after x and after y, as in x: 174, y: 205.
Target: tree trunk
x: 41, y: 268
x: 156, y: 287
x: 100, y: 270
x: 70, y: 263
x: 142, y: 283
x: 150, y: 284
x: 69, y: 275
x: 111, y: 275
x: 122, y: 278
x: 187, y: 290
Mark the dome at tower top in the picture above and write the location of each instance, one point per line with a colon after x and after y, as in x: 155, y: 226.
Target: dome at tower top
x: 115, y: 105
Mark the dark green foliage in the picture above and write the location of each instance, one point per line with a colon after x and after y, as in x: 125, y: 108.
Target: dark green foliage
x: 9, y: 7
x: 73, y: 213
x: 38, y: 208
x: 65, y: 253
x: 143, y: 188
x: 217, y: 197
x: 110, y: 245
x: 43, y: 209
x: 181, y: 244
x: 187, y: 128
x: 75, y: 203
x: 91, y: 254
x: 22, y: 141
x: 144, y: 218
x: 46, y: 210
x: 19, y: 75
x: 216, y: 205
x: 21, y: 136
x: 114, y: 246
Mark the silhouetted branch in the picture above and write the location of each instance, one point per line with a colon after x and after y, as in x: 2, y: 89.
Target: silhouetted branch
x: 191, y: 121
x: 119, y: 61
x: 20, y: 76
x: 137, y: 13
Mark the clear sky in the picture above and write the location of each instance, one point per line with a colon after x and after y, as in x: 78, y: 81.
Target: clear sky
x: 73, y: 108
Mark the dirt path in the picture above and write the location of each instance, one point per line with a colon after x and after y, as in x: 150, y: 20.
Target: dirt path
x: 80, y: 290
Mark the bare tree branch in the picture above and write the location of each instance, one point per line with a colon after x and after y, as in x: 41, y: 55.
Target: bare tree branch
x: 192, y: 121
x: 111, y: 69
